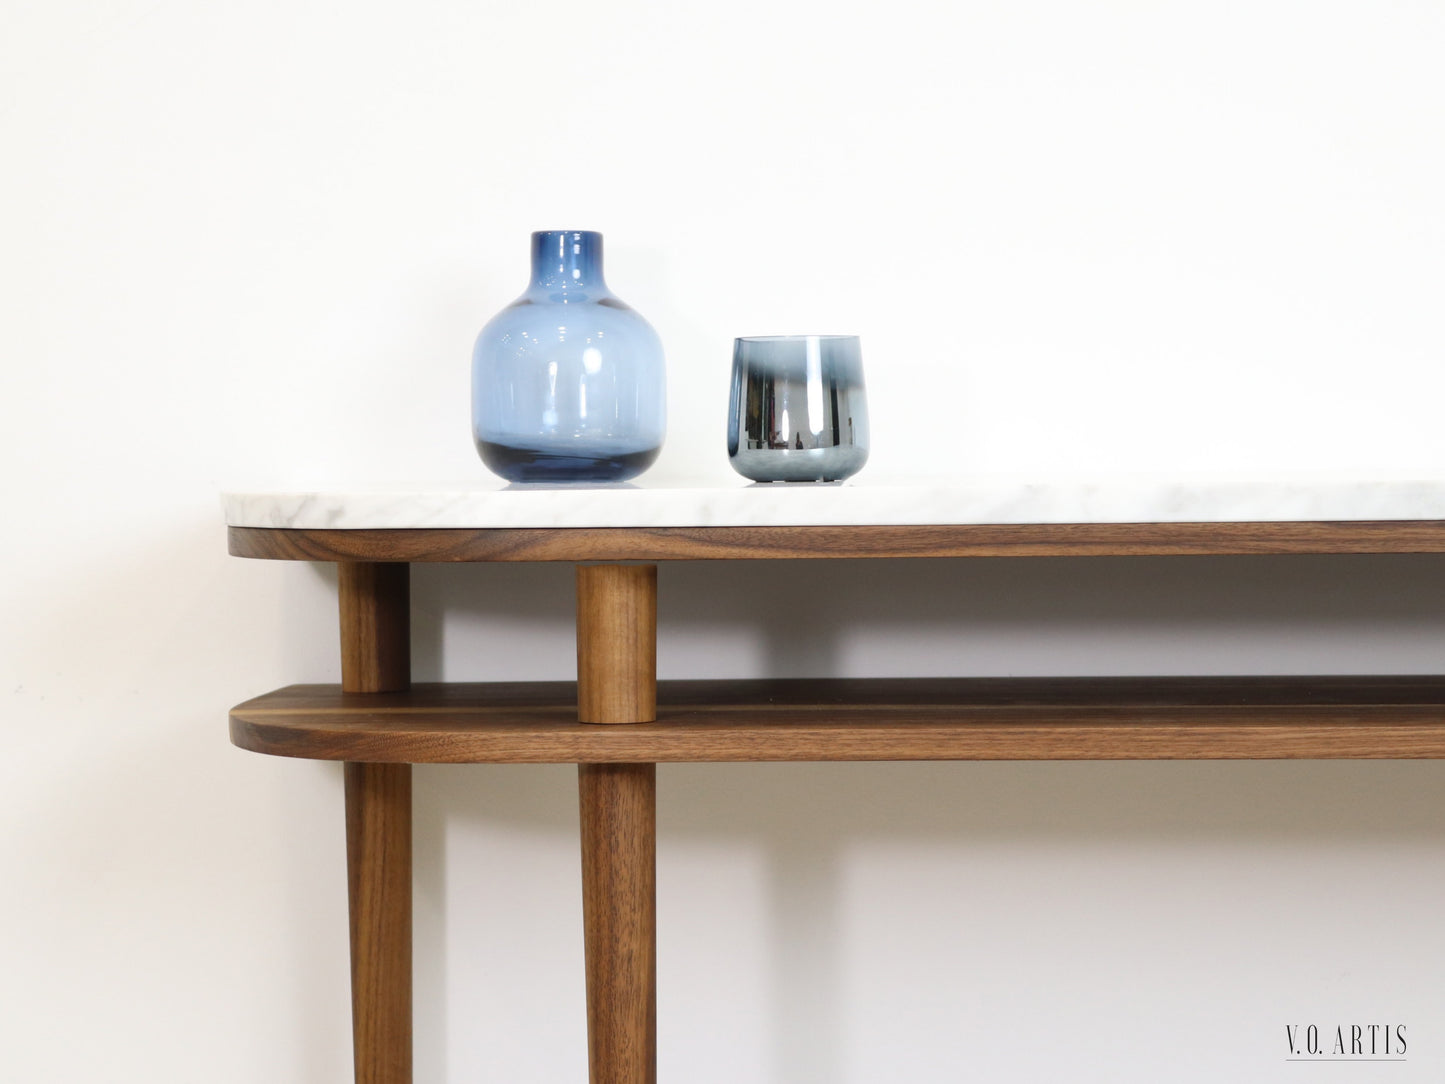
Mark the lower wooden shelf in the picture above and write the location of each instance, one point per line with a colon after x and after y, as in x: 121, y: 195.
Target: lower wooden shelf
x: 864, y: 719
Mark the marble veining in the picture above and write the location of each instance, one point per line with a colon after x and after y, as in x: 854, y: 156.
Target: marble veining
x: 978, y: 500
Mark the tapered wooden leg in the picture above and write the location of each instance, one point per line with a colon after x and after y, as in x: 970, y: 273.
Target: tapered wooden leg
x: 619, y: 920
x: 376, y: 657
x: 617, y: 683
x: 378, y: 865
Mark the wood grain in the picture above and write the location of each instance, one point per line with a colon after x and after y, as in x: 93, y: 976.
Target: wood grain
x: 716, y: 543
x: 375, y: 602
x: 376, y: 659
x: 619, y: 905
x: 378, y: 867
x: 616, y: 643
x: 866, y: 719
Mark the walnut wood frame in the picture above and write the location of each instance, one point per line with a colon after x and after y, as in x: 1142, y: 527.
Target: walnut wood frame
x: 617, y: 723
x: 775, y: 543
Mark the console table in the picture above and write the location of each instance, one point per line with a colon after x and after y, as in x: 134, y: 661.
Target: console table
x: 617, y: 721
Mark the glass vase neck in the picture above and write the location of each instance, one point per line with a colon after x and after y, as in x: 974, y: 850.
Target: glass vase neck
x: 567, y: 260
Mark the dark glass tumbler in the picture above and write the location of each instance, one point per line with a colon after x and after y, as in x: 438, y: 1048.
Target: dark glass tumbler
x: 798, y: 412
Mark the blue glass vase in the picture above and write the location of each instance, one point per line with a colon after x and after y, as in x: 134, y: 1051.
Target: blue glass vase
x: 567, y: 381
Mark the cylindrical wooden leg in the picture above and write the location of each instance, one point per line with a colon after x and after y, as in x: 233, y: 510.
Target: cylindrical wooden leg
x: 617, y: 683
x: 616, y: 643
x: 376, y: 657
x: 619, y: 920
x: 375, y: 626
x: 378, y: 866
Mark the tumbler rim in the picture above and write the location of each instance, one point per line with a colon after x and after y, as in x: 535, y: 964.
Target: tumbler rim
x: 788, y: 338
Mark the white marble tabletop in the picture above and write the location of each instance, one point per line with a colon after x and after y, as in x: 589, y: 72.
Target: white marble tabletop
x: 1135, y: 499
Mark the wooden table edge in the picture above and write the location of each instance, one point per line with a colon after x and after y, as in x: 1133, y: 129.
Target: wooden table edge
x: 859, y: 541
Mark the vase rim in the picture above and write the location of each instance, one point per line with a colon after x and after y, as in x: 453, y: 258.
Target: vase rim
x: 544, y: 233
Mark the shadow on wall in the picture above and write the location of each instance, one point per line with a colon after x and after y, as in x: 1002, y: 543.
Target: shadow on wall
x: 807, y: 822
x: 1060, y: 616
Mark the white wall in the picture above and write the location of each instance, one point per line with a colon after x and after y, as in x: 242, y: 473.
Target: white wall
x: 250, y: 245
